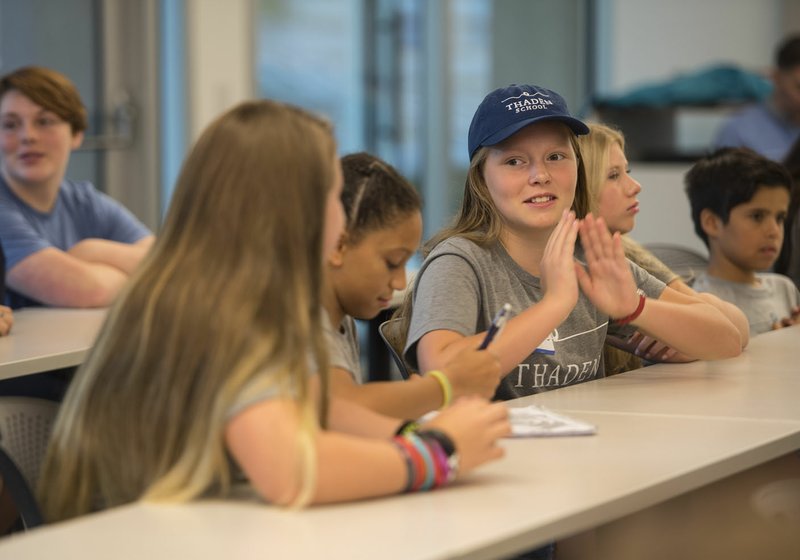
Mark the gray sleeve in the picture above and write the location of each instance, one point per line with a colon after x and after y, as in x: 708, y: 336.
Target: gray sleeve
x: 791, y: 295
x: 649, y: 284
x: 446, y: 297
x: 343, y: 350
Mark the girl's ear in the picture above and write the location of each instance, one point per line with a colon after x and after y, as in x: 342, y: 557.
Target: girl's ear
x: 710, y: 223
x: 336, y: 259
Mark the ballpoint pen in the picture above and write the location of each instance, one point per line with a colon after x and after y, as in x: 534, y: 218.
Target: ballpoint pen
x: 497, y: 323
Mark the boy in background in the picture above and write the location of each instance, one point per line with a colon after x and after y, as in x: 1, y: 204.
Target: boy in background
x: 739, y: 202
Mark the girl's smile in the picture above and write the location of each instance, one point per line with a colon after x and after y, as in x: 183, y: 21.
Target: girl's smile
x: 532, y: 175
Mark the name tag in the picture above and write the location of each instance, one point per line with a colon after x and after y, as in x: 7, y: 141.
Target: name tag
x: 547, y: 346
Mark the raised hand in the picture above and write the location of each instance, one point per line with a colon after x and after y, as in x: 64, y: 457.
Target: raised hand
x: 607, y: 279
x: 557, y: 268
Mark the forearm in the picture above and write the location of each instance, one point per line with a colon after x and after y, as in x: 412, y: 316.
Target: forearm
x: 697, y: 330
x: 123, y: 256
x: 265, y: 441
x: 67, y: 284
x: 732, y: 313
x: 520, y: 337
x: 352, y: 418
x: 398, y: 399
x: 350, y: 468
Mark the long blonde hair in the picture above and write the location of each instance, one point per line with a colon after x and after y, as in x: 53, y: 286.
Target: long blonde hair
x: 230, y: 291
x: 596, y: 152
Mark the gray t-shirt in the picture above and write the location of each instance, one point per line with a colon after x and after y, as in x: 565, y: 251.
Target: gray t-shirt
x: 765, y: 304
x: 343, y: 348
x: 460, y: 287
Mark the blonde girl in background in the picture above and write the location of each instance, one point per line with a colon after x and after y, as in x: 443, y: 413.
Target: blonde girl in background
x: 213, y: 361
x: 383, y: 230
x: 613, y: 195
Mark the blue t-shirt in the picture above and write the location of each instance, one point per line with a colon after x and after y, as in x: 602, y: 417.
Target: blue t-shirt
x: 761, y: 129
x: 80, y: 212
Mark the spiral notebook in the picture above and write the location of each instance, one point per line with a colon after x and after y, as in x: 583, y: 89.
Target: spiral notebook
x: 537, y: 421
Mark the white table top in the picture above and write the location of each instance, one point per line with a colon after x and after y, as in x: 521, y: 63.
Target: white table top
x: 654, y: 441
x: 762, y: 383
x: 44, y: 339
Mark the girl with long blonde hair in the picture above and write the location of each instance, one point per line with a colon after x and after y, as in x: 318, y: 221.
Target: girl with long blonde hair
x: 212, y: 363
x: 613, y: 195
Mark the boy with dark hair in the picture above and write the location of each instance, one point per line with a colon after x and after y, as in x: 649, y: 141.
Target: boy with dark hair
x: 739, y: 203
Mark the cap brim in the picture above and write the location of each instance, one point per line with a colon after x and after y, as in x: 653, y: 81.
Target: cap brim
x: 578, y: 127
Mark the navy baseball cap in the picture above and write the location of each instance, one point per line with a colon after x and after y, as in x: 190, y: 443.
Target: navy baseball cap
x: 507, y: 110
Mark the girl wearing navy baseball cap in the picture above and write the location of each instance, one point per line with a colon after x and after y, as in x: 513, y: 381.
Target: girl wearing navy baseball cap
x: 524, y: 236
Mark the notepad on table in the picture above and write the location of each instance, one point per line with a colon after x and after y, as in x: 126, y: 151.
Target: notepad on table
x: 537, y: 421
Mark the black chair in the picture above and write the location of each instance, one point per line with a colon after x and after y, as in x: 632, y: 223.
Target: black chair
x: 390, y: 333
x: 25, y: 427
x: 685, y: 262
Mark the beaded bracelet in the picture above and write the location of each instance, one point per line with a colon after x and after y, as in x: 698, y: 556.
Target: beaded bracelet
x: 447, y: 388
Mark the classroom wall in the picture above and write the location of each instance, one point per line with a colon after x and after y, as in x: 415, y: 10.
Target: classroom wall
x: 220, y: 49
x: 649, y: 41
x: 664, y: 216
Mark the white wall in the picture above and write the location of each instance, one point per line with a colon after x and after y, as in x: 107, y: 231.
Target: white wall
x: 664, y: 215
x: 651, y: 40
x: 220, y: 41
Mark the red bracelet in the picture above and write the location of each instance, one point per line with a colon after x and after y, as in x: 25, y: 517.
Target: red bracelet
x: 636, y: 313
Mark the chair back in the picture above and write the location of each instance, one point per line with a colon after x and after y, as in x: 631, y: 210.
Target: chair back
x: 25, y: 427
x: 683, y: 261
x: 395, y: 342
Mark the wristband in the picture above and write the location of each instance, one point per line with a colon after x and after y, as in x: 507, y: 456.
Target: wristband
x: 427, y: 459
x: 638, y: 311
x: 414, y: 463
x: 407, y: 427
x: 447, y: 388
x: 410, y: 468
x: 447, y: 446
